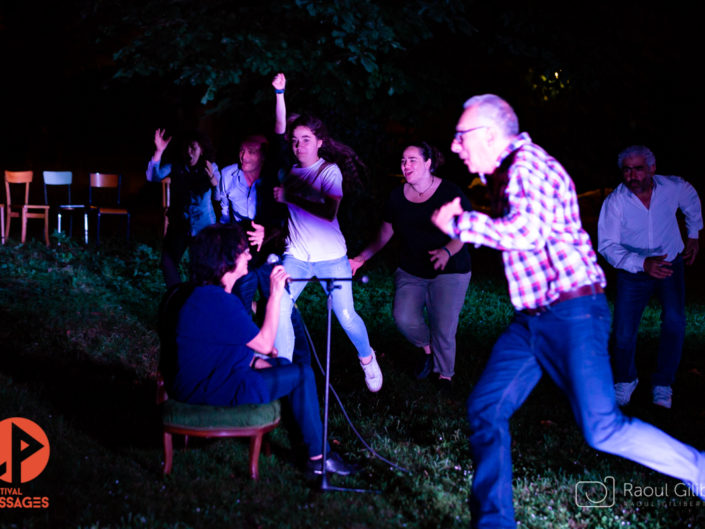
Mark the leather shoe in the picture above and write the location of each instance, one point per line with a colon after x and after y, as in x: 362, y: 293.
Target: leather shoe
x: 334, y: 465
x: 425, y: 367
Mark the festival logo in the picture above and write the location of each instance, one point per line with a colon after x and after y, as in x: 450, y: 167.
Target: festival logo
x: 24, y: 454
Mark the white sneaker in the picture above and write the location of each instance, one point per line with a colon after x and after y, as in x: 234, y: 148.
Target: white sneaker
x: 623, y: 391
x: 373, y: 374
x: 663, y: 396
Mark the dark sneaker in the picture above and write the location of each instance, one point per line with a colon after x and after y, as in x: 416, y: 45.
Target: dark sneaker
x: 663, y: 396
x: 444, y: 386
x: 425, y: 367
x: 623, y: 391
x: 334, y: 465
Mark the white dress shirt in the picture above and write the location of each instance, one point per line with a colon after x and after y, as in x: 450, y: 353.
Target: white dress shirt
x: 628, y: 232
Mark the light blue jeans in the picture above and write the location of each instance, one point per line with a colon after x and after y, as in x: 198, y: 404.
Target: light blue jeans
x: 343, y: 305
x: 569, y: 343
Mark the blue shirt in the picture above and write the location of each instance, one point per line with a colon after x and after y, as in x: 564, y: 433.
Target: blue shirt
x: 213, y: 360
x: 238, y: 199
x: 199, y: 210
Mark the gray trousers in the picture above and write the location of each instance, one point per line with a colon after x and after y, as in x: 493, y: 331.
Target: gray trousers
x: 443, y: 298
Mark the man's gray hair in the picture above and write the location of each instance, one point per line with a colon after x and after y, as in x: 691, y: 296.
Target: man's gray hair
x: 636, y: 150
x: 496, y: 110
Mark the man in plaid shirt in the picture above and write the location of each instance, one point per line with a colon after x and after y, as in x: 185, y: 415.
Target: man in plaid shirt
x: 562, y: 321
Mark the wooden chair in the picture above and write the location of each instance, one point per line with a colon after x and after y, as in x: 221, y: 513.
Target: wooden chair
x: 65, y: 179
x: 112, y: 182
x: 2, y: 223
x: 166, y: 201
x: 24, y: 211
x: 246, y: 420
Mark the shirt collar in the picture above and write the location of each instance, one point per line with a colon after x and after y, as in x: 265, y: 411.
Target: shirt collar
x: 518, y: 141
x: 240, y: 175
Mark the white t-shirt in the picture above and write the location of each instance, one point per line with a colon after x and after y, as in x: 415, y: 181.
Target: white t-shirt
x: 313, y: 238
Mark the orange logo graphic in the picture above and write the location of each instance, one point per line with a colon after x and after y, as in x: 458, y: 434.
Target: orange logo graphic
x: 24, y: 450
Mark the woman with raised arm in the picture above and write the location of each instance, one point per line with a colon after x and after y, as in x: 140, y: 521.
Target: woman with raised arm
x: 315, y: 246
x: 434, y: 270
x: 192, y: 180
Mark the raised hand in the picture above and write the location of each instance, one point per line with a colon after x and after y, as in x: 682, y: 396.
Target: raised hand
x: 161, y: 143
x: 279, y: 82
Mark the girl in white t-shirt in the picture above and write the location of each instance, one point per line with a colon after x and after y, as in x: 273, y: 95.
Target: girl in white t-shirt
x: 312, y: 190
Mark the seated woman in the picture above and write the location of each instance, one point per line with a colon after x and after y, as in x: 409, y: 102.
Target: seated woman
x: 215, y: 341
x: 434, y: 270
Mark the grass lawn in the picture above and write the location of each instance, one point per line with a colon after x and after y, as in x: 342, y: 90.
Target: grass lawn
x: 79, y: 352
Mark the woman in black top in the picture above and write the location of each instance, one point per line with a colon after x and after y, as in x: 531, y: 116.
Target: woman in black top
x: 434, y: 270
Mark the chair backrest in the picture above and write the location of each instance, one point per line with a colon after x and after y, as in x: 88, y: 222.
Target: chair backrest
x: 18, y: 177
x: 102, y: 181
x: 57, y: 178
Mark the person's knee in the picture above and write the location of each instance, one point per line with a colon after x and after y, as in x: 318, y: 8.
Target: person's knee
x: 405, y: 319
x: 347, y: 317
x: 603, y: 434
x: 674, y: 319
x: 482, y: 415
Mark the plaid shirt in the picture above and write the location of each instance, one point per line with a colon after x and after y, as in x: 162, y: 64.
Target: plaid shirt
x: 545, y: 249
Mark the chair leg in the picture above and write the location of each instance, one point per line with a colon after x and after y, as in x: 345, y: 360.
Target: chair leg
x: 97, y: 231
x: 255, y: 446
x: 24, y: 224
x: 85, y: 228
x: 168, y: 453
x: 46, y: 228
x: 9, y: 221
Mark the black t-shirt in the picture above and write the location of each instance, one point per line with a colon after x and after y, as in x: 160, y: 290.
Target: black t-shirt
x: 418, y: 235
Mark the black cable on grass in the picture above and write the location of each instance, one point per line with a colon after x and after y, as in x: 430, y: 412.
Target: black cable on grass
x: 342, y: 408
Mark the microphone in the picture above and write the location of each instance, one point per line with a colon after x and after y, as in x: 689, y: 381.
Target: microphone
x: 274, y: 259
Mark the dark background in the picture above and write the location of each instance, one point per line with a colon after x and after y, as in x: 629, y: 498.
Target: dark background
x: 633, y: 74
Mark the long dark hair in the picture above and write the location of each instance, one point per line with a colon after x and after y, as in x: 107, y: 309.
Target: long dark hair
x: 207, y: 149
x: 350, y: 164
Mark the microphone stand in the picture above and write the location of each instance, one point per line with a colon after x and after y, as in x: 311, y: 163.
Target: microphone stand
x: 330, y: 286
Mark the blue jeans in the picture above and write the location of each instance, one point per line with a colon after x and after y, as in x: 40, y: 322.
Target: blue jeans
x: 633, y: 294
x: 258, y: 278
x: 342, y: 299
x: 569, y: 342
x: 443, y: 296
x: 297, y: 382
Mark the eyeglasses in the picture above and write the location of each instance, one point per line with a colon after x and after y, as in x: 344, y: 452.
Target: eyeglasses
x: 460, y: 133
